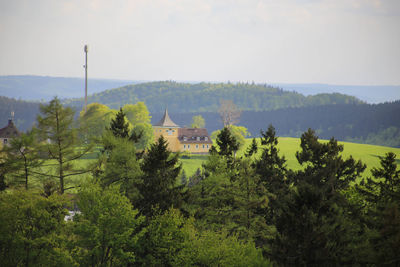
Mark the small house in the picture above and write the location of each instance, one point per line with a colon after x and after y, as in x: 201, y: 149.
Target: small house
x: 180, y: 139
x: 7, y: 133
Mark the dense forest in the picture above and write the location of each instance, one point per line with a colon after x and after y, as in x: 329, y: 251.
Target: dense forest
x: 205, y: 97
x: 135, y: 207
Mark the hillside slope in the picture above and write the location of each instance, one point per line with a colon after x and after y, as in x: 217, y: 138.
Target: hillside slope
x: 202, y: 97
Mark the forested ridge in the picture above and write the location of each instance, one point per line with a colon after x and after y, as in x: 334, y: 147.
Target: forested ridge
x: 205, y: 97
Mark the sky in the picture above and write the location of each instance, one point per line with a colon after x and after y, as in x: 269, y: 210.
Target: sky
x: 352, y: 42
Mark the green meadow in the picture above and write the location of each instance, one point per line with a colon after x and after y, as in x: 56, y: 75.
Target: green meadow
x: 368, y: 154
x: 288, y: 146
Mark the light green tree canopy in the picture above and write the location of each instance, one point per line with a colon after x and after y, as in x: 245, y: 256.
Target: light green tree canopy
x: 97, y: 117
x: 239, y: 132
x: 198, y: 122
x: 137, y: 113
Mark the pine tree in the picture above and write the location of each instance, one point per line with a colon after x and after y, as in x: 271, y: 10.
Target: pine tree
x: 252, y: 149
x: 160, y: 172
x: 227, y: 143
x: 382, y: 194
x: 316, y: 226
x: 271, y: 167
x: 119, y: 126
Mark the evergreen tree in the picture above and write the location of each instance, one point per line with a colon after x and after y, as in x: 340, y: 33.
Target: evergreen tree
x: 382, y: 194
x: 160, y: 172
x: 316, y: 225
x: 227, y: 143
x: 119, y: 127
x: 252, y: 149
x: 119, y: 166
x: 59, y: 140
x: 271, y: 167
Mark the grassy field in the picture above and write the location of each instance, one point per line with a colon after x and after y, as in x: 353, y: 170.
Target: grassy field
x: 368, y: 154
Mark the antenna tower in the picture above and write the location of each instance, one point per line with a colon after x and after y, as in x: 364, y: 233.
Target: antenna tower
x: 85, y: 49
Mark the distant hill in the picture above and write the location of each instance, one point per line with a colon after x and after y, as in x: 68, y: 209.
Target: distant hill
x: 44, y: 88
x: 205, y: 97
x: 373, y: 94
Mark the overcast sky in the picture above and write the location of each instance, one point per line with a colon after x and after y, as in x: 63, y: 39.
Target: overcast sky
x: 353, y: 42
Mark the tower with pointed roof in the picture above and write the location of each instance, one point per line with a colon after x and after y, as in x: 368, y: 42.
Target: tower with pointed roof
x: 194, y: 140
x: 169, y: 129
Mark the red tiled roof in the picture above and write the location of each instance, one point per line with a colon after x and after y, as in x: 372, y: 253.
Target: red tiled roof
x: 194, y: 135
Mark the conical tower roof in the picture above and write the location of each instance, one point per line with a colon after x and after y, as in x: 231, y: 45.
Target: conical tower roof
x: 166, y: 121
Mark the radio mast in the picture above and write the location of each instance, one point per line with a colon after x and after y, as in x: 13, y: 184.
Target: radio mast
x: 86, y: 67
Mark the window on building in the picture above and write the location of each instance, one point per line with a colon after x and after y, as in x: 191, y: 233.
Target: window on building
x: 198, y: 138
x: 197, y: 146
x: 188, y: 146
x: 5, y: 141
x: 184, y: 138
x: 203, y: 146
x: 207, y: 146
x: 184, y: 146
x: 206, y: 138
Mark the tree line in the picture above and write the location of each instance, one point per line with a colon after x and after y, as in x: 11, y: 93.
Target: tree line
x: 205, y: 97
x: 137, y: 208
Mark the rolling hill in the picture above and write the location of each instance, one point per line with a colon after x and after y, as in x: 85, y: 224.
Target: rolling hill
x: 205, y: 97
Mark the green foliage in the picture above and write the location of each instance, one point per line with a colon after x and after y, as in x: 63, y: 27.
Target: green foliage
x: 198, y: 122
x: 118, y: 126
x: 239, y: 132
x: 382, y: 195
x: 21, y: 159
x: 314, y: 223
x: 160, y: 172
x: 95, y: 120
x: 119, y: 166
x: 227, y: 143
x: 144, y: 132
x: 201, y: 97
x: 172, y: 240
x: 59, y: 140
x: 137, y: 113
x: 106, y: 231
x: 209, y: 248
x: 31, y: 230
x: 163, y: 239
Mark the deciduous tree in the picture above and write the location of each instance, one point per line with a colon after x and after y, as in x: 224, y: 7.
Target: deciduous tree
x: 59, y: 140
